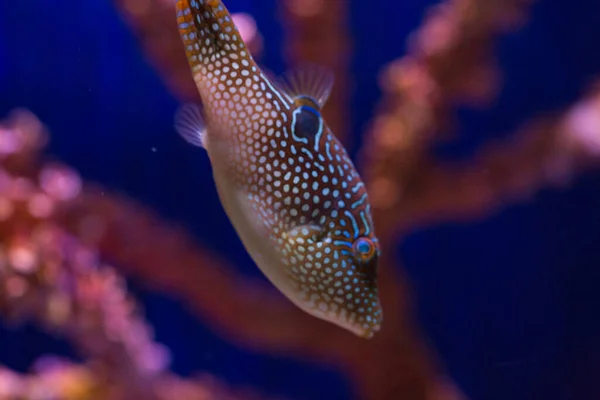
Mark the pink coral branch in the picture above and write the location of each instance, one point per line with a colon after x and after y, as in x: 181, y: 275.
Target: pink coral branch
x: 252, y: 313
x: 50, y: 276
x: 204, y: 279
x: 549, y: 151
x: 63, y: 380
x: 450, y: 59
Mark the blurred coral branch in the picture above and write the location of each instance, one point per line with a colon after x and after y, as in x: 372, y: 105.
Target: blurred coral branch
x: 551, y: 150
x: 247, y: 312
x: 50, y: 276
x: 450, y: 59
x: 54, y: 378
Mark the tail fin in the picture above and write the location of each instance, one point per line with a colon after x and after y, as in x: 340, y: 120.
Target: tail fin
x: 208, y: 32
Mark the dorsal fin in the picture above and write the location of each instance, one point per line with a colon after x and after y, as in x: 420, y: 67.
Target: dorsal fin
x: 310, y: 80
x: 189, y: 124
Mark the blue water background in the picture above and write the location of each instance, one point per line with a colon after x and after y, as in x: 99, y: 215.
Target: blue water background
x: 510, y: 303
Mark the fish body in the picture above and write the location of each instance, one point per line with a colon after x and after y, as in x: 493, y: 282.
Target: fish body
x: 286, y: 182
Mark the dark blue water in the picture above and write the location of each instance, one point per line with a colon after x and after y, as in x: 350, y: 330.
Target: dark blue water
x: 510, y: 303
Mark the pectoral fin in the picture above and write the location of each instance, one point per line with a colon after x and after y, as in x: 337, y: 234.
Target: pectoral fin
x: 305, y: 234
x: 189, y: 124
x: 258, y: 217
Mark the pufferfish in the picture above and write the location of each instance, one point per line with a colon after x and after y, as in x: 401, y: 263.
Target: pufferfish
x: 286, y: 183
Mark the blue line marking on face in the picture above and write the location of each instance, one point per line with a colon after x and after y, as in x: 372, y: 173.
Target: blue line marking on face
x: 364, y: 220
x: 357, y: 187
x: 285, y: 102
x: 308, y: 153
x: 357, y: 203
x: 354, y: 224
x: 328, y: 150
x: 342, y: 243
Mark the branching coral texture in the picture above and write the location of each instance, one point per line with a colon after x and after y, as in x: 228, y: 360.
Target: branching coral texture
x: 51, y: 276
x: 56, y: 229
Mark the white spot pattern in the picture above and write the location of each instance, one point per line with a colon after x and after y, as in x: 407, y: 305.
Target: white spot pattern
x: 301, y: 184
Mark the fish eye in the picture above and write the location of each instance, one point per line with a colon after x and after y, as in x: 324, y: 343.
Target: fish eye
x: 306, y: 122
x: 364, y: 249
